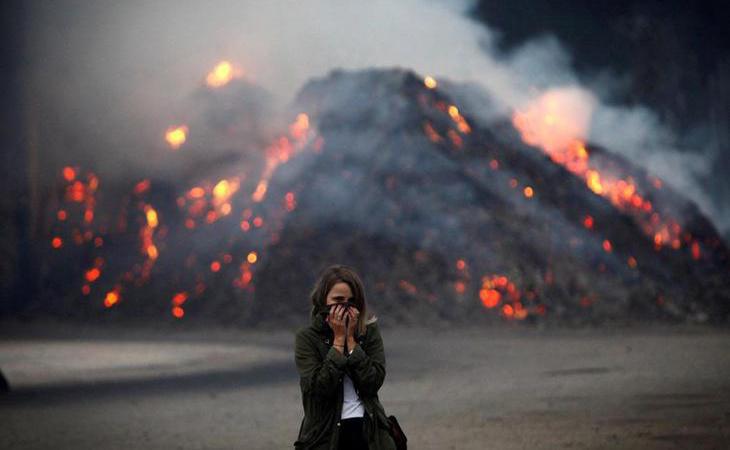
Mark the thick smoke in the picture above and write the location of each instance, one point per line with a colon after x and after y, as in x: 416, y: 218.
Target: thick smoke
x: 107, y: 77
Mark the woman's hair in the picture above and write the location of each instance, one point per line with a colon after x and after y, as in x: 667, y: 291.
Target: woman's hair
x: 340, y: 273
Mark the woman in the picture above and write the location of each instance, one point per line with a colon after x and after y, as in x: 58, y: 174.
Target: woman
x: 341, y: 363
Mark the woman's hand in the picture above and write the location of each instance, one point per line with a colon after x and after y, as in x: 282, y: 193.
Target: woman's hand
x: 353, y: 314
x: 336, y: 321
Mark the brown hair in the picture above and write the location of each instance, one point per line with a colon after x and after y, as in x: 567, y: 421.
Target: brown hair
x: 340, y: 273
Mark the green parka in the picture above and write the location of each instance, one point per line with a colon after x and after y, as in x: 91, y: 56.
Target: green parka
x: 321, y: 369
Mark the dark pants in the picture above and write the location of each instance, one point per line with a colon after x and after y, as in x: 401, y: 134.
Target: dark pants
x: 351, y: 434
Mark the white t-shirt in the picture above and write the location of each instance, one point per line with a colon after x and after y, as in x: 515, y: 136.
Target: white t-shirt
x: 351, y: 403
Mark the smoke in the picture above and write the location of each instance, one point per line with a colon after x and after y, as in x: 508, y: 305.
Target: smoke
x: 108, y: 77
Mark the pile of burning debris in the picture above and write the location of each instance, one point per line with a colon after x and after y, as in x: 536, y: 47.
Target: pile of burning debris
x: 448, y: 216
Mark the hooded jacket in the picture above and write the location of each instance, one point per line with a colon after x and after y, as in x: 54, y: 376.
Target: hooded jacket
x: 321, y: 370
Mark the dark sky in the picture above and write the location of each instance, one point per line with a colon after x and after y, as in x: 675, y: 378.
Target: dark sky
x: 598, y: 33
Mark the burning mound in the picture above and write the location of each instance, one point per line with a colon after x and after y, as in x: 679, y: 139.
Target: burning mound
x: 448, y: 217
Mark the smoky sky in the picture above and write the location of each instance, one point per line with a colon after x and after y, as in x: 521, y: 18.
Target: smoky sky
x: 107, y: 77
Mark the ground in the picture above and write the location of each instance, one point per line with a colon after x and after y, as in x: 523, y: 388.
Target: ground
x: 656, y: 387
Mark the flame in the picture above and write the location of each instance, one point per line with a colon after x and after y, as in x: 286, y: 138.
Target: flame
x: 555, y: 120
x: 92, y: 275
x: 557, y: 123
x: 588, y: 221
x: 281, y: 150
x: 176, y: 136
x: 430, y: 82
x: 142, y: 187
x: 222, y: 74
x: 112, y: 297
x: 607, y: 246
x: 498, y: 289
x: 151, y: 216
x: 179, y: 298
x: 146, y: 236
x: 252, y: 257
x: 298, y: 130
x: 460, y: 121
x: 69, y: 173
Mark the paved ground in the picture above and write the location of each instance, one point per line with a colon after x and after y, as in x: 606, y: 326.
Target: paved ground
x: 662, y: 388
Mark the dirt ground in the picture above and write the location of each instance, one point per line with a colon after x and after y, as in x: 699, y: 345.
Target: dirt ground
x: 507, y: 388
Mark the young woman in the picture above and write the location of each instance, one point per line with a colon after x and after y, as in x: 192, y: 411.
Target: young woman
x: 341, y: 362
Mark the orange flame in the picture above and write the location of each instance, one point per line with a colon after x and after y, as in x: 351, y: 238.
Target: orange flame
x: 176, y: 136
x: 222, y: 74
x: 112, y: 297
x: 430, y: 82
x: 281, y: 150
x: 557, y: 122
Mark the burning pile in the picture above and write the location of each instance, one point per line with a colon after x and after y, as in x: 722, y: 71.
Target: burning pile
x: 445, y: 215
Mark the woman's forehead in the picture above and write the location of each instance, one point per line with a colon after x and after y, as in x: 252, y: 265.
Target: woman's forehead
x: 341, y: 289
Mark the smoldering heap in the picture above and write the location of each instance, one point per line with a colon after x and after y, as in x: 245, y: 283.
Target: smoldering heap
x: 450, y: 218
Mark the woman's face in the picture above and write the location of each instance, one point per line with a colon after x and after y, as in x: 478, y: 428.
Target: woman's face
x: 339, y: 293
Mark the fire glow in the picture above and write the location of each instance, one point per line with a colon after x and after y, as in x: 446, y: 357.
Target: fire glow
x: 222, y: 74
x: 176, y: 136
x: 557, y: 123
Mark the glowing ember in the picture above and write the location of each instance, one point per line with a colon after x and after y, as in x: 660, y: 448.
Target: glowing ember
x: 178, y: 312
x: 56, y: 242
x: 430, y: 82
x: 490, y: 297
x: 92, y: 275
x: 528, y: 191
x: 142, y: 187
x: 461, y: 123
x: 252, y: 257
x: 222, y: 74
x: 151, y: 217
x: 289, y: 201
x: 176, y: 136
x: 508, y: 310
x: 695, y: 250
x: 607, y: 245
x: 498, y: 289
x: 112, y: 297
x: 459, y: 287
x: 196, y: 192
x: 588, y: 221
x: 179, y: 298
x: 431, y: 133
x: 69, y: 173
